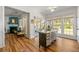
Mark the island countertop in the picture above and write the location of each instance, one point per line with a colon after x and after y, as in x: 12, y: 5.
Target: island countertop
x: 47, y: 31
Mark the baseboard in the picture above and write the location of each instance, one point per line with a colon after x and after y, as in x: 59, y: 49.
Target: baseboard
x: 78, y: 41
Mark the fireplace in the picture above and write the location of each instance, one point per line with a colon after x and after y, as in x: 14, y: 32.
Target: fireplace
x: 13, y: 24
x: 12, y: 29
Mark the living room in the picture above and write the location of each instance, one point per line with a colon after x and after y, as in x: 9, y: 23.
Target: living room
x: 16, y: 21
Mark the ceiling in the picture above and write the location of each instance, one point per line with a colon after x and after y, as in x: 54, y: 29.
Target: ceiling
x: 13, y: 12
x: 42, y: 9
x: 45, y: 10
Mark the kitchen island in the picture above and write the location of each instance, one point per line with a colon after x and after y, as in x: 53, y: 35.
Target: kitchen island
x: 46, y: 38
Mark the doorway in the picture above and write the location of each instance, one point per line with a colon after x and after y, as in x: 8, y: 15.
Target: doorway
x: 22, y: 21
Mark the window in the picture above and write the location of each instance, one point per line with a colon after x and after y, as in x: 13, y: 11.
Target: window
x: 68, y: 26
x: 57, y: 24
x: 63, y: 25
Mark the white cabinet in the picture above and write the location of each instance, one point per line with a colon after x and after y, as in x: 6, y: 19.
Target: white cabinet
x: 51, y: 37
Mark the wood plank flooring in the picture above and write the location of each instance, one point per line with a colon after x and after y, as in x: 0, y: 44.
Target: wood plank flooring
x: 22, y: 44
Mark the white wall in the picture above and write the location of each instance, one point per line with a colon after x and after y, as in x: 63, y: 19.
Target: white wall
x: 78, y: 23
x: 1, y: 28
x: 33, y: 12
x: 6, y: 24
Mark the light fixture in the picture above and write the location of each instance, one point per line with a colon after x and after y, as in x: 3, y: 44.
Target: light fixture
x: 52, y: 8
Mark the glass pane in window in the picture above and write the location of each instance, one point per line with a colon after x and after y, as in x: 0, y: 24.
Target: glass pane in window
x: 68, y: 26
x: 57, y: 24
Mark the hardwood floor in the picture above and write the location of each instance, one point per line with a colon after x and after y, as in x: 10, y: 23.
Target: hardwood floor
x: 22, y: 44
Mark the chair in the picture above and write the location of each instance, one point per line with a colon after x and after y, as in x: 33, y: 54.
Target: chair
x: 20, y: 32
